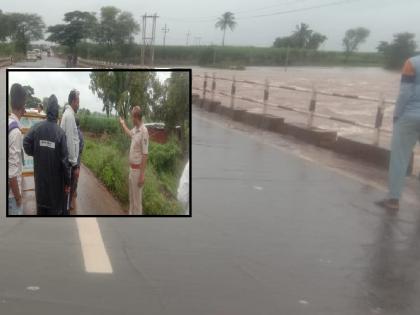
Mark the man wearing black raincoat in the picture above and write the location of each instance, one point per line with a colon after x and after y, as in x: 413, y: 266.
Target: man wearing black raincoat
x: 46, y: 142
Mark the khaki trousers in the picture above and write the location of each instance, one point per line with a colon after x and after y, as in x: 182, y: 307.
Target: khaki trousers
x: 135, y: 192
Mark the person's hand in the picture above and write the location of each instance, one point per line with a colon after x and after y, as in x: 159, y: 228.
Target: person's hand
x: 140, y: 183
x: 122, y: 121
x: 76, y: 172
x: 67, y: 189
x: 18, y: 201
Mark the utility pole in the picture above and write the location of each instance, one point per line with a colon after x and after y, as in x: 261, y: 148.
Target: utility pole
x: 197, y: 40
x: 164, y: 30
x: 188, y: 36
x: 148, y: 39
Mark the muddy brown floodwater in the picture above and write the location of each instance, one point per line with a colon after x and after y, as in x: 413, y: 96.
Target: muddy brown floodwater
x: 366, y: 81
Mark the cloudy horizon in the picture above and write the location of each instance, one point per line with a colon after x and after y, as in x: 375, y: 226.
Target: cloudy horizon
x: 59, y: 83
x: 258, y: 23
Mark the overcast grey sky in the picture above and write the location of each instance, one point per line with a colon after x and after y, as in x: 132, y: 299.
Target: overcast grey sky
x: 60, y: 83
x: 383, y: 17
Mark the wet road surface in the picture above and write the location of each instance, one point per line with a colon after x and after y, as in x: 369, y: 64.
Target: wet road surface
x: 45, y: 62
x: 271, y: 233
x: 309, y: 236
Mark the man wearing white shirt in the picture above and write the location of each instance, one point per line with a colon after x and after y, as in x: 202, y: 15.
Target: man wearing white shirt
x: 18, y: 99
x: 68, y: 124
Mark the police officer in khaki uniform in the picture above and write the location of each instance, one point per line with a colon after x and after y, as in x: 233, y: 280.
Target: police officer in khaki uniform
x: 137, y: 159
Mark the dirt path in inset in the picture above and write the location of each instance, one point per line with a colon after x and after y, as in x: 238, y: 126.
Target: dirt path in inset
x: 93, y: 198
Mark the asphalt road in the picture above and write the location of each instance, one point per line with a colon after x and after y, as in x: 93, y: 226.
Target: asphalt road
x: 45, y: 62
x: 271, y: 233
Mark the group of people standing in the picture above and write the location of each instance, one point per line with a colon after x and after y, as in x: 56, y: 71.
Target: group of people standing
x: 56, y: 152
x: 57, y: 149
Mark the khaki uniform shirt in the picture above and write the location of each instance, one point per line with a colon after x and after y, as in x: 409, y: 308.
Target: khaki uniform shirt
x: 139, y: 144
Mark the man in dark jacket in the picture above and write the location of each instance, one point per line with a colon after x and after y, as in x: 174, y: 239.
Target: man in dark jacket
x: 46, y: 142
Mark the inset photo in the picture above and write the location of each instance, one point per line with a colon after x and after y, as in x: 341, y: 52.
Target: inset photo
x: 100, y: 142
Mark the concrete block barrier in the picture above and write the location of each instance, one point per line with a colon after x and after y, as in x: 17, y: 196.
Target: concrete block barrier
x: 238, y: 114
x: 316, y: 136
x: 273, y: 123
x: 253, y: 119
x: 372, y: 154
x: 369, y: 153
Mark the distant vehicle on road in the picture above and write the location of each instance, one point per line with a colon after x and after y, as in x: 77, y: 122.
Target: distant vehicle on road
x: 71, y: 61
x: 31, y: 56
x: 38, y: 53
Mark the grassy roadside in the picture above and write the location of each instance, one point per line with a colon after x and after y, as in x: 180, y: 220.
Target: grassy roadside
x: 231, y: 56
x: 107, y: 158
x: 8, y: 49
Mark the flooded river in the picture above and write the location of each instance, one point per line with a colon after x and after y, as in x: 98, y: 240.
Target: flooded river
x: 368, y: 81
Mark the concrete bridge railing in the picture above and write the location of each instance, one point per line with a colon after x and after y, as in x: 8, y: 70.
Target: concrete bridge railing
x: 372, y: 151
x: 375, y: 155
x: 376, y: 126
x: 6, y: 61
x: 107, y: 64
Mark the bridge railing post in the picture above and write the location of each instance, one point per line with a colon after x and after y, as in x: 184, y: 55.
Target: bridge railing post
x: 213, y: 87
x: 379, y: 119
x: 312, y: 107
x: 233, y: 92
x: 266, y: 95
x: 205, y: 87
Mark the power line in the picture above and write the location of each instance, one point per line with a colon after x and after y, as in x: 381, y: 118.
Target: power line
x: 197, y: 40
x: 164, y: 30
x: 271, y: 6
x: 309, y: 8
x: 299, y: 10
x: 211, y: 18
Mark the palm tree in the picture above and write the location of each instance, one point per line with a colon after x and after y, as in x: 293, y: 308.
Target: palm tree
x: 301, y: 35
x: 226, y: 20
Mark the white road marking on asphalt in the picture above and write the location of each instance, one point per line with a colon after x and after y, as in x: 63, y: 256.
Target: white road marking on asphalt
x: 258, y: 188
x: 94, y: 253
x: 32, y: 288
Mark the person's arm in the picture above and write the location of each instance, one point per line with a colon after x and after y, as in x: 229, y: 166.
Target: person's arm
x: 81, y: 145
x: 28, y: 142
x: 76, y: 140
x: 125, y: 128
x: 68, y: 130
x: 143, y: 165
x: 406, y: 89
x: 65, y: 163
x: 13, y: 182
x: 14, y: 169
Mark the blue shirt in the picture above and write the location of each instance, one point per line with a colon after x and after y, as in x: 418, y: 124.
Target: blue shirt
x: 408, y: 102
